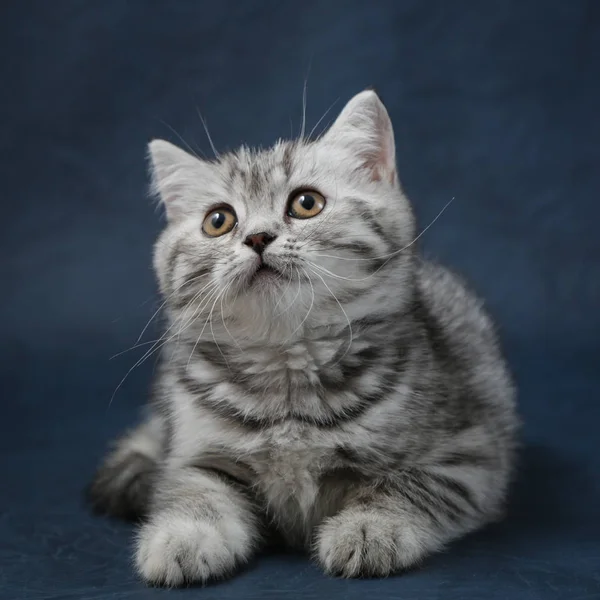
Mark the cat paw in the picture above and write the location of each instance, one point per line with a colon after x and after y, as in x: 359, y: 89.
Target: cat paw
x: 365, y: 544
x: 174, y: 550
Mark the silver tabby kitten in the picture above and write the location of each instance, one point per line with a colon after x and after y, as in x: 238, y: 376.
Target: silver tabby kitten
x: 320, y: 380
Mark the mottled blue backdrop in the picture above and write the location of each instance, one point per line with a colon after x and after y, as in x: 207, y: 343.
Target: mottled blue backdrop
x: 495, y: 104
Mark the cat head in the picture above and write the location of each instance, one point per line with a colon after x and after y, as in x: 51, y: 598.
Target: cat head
x: 274, y: 242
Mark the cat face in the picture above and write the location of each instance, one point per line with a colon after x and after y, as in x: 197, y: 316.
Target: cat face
x: 284, y: 238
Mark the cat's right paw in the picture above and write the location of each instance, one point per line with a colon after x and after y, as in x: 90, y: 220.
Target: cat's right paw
x: 173, y: 550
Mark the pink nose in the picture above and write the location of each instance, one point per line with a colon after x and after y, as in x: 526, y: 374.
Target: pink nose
x: 259, y: 241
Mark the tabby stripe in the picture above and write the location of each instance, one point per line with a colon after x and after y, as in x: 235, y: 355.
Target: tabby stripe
x: 458, y: 488
x: 467, y: 459
x: 352, y: 368
x: 172, y: 257
x: 255, y: 179
x: 371, y: 321
x: 373, y: 261
x: 287, y: 163
x: 417, y: 501
x: 214, y: 358
x: 223, y: 410
x: 224, y: 476
x: 354, y: 247
x: 229, y: 413
x: 194, y: 387
x: 377, y: 229
x: 450, y: 509
x: 334, y: 418
x: 365, y: 403
x: 371, y: 221
x: 369, y: 460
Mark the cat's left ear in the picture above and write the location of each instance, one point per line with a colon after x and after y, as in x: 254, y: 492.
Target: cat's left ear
x: 364, y: 129
x: 176, y: 177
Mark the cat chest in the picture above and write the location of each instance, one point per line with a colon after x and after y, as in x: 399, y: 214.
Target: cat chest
x: 289, y: 476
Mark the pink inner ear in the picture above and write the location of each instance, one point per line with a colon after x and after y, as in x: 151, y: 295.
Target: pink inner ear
x: 380, y: 159
x: 381, y: 171
x: 381, y: 166
x: 375, y: 167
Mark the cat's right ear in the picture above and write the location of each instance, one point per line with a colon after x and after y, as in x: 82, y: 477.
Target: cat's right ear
x: 174, y: 174
x: 364, y: 130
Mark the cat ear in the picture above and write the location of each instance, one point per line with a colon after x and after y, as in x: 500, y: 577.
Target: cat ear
x: 364, y: 129
x: 174, y: 174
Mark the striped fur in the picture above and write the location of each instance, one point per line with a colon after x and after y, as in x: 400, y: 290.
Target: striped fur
x: 356, y: 402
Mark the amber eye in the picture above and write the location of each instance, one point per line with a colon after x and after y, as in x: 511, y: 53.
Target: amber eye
x: 304, y: 205
x: 219, y: 222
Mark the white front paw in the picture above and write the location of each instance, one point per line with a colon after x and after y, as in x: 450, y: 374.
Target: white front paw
x: 366, y: 544
x: 173, y: 550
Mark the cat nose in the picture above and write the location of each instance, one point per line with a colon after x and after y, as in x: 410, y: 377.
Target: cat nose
x: 259, y: 241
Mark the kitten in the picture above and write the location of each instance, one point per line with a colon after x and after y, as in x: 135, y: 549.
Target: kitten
x: 319, y: 379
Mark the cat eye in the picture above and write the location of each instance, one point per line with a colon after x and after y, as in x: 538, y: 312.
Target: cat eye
x: 219, y: 221
x: 305, y: 205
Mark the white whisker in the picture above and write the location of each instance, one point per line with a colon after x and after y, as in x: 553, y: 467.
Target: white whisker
x: 304, y: 89
x: 391, y: 254
x: 204, y: 327
x: 303, y: 109
x: 330, y: 273
x: 133, y: 348
x: 212, y: 331
x: 212, y: 286
x: 321, y: 119
x: 187, y: 282
x: 287, y: 287
x: 312, y: 302
x: 345, y: 315
x: 192, y: 151
x: 291, y: 304
x: 212, y: 146
x: 223, y: 317
x: 160, y: 343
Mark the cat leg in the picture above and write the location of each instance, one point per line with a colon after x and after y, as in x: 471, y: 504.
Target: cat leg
x: 122, y: 485
x: 392, y: 526
x: 201, y: 527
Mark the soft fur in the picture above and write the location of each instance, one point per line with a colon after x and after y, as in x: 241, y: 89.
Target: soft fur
x: 356, y: 403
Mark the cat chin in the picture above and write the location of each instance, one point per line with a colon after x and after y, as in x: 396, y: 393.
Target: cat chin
x: 265, y: 290
x: 269, y: 312
x: 266, y: 281
x: 265, y: 277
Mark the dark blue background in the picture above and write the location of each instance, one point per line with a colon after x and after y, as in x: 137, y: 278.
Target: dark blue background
x: 494, y: 103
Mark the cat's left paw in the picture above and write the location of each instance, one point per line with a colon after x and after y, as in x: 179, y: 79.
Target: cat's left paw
x: 363, y: 543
